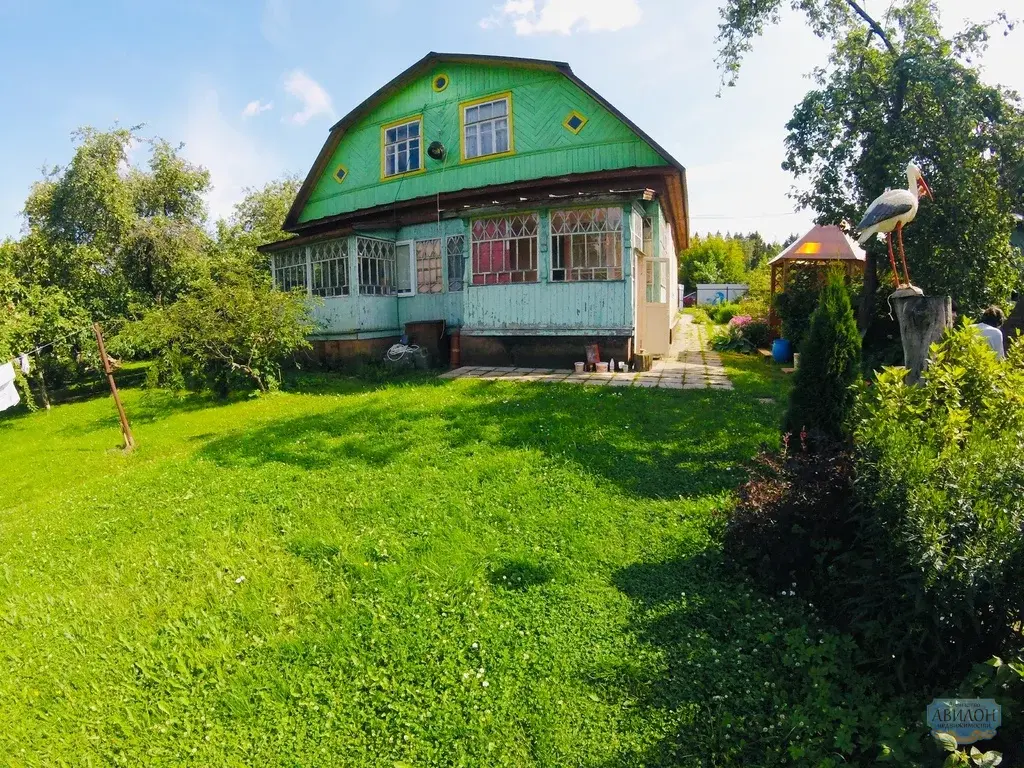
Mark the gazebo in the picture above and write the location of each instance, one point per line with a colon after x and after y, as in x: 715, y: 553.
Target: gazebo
x: 823, y: 245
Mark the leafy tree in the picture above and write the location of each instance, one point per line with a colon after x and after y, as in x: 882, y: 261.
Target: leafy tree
x: 256, y: 220
x: 823, y: 395
x: 118, y: 237
x: 229, y: 333
x: 36, y: 315
x: 895, y: 89
x: 712, y: 259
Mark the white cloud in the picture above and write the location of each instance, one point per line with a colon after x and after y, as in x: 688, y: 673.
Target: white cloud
x: 315, y: 100
x: 566, y: 16
x: 255, y: 107
x: 235, y: 159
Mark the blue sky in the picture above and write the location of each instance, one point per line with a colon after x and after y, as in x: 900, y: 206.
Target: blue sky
x: 251, y: 87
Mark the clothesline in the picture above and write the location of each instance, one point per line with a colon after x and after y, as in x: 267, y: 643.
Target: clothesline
x: 39, y: 349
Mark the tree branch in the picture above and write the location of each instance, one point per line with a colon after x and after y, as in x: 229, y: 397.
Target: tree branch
x: 875, y: 26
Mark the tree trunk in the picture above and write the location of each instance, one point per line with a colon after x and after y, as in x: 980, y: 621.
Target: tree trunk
x: 923, y: 320
x: 44, y: 393
x: 867, y: 297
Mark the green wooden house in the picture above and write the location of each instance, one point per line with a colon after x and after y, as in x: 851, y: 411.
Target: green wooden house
x: 502, y: 197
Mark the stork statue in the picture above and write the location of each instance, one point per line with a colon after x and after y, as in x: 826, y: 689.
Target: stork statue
x: 890, y: 211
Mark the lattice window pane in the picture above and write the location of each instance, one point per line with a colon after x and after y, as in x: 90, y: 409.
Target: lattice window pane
x: 586, y: 244
x: 505, y: 250
x: 455, y: 247
x: 428, y: 266
x: 329, y: 265
x: 637, y: 230
x: 290, y: 269
x: 376, y: 266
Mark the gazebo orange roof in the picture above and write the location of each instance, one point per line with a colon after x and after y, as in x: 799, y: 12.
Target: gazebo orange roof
x: 823, y: 243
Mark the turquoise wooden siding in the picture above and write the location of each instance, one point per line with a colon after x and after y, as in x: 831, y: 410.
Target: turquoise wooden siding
x: 549, y: 309
x: 541, y: 100
x: 543, y: 308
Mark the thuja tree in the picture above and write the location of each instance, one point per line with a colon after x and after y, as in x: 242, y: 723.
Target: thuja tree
x: 822, y: 396
x: 895, y: 89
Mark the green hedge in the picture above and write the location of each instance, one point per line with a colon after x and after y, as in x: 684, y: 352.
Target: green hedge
x: 937, y: 576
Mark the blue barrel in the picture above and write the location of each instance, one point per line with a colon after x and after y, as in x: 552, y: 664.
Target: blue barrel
x: 782, y: 351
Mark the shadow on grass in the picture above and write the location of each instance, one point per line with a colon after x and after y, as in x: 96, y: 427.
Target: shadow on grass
x: 650, y: 443
x: 373, y: 434
x: 688, y: 613
x: 520, y: 575
x: 149, y: 407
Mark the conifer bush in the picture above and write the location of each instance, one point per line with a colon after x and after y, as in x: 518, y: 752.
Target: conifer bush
x: 822, y: 396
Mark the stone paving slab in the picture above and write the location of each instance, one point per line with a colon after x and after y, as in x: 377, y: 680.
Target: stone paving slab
x: 688, y: 365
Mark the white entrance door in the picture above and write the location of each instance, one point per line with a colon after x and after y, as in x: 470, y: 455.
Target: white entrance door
x: 655, y: 307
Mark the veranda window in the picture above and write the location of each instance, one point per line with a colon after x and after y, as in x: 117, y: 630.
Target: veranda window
x: 486, y: 128
x: 636, y: 230
x: 586, y: 244
x: 329, y: 268
x: 505, y: 249
x: 428, y: 266
x: 657, y: 281
x: 290, y: 269
x: 376, y: 266
x: 455, y: 247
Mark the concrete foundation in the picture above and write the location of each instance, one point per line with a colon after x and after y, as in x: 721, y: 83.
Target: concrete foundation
x: 335, y: 353
x: 541, y: 351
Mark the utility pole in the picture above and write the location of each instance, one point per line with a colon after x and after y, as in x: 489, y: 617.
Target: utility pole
x: 126, y: 430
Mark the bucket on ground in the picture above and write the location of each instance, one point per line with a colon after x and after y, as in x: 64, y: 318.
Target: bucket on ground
x: 782, y: 351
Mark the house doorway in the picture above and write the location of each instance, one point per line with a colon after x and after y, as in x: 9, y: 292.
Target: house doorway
x: 653, y: 318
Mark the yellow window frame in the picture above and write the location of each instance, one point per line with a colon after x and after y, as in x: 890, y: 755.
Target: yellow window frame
x: 583, y: 122
x: 340, y: 168
x: 464, y: 105
x: 417, y: 118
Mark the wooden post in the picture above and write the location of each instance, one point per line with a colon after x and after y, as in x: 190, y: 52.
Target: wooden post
x: 126, y: 430
x: 923, y: 320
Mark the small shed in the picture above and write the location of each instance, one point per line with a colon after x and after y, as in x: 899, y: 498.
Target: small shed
x: 823, y: 245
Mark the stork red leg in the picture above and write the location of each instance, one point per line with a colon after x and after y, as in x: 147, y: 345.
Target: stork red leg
x: 903, y: 256
x: 892, y: 260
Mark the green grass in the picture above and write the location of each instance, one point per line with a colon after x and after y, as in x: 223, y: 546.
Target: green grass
x: 412, y: 574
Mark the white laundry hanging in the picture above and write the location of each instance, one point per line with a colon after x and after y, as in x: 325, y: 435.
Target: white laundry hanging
x: 23, y: 363
x: 9, y: 396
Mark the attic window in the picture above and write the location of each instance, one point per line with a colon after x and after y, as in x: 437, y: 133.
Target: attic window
x: 340, y: 174
x: 440, y: 82
x: 487, y: 127
x: 403, y: 148
x: 575, y: 122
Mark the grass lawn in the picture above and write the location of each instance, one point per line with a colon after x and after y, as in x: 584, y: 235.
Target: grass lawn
x: 411, y: 574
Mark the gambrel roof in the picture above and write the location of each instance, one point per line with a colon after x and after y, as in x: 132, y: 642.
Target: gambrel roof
x: 673, y: 169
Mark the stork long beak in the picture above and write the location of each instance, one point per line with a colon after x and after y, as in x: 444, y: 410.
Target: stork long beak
x: 922, y: 186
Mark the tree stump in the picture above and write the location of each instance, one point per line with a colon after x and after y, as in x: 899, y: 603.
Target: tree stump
x: 923, y: 320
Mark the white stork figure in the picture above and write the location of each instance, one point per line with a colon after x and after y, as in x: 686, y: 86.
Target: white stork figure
x: 892, y: 210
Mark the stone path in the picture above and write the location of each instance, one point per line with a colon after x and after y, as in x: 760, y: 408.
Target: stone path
x: 688, y: 365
